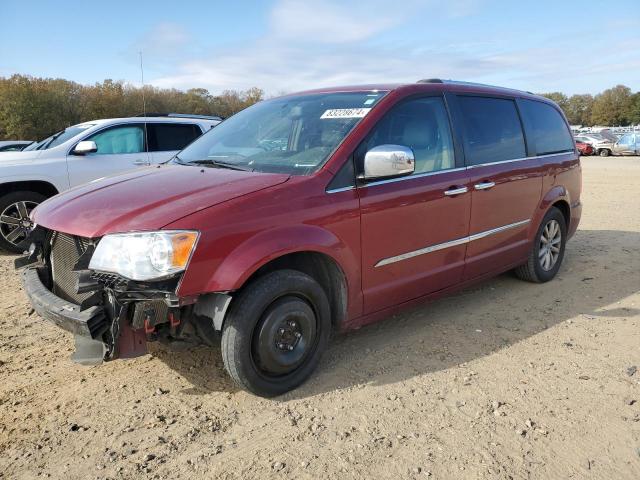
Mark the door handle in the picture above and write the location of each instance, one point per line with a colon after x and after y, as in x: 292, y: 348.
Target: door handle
x: 484, y: 185
x: 141, y: 162
x: 455, y: 191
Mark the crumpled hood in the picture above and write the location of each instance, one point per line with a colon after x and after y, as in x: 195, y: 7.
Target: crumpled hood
x: 146, y: 199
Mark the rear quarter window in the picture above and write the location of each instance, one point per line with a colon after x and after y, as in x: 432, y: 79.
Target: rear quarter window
x: 166, y: 137
x: 492, y: 130
x: 547, y: 132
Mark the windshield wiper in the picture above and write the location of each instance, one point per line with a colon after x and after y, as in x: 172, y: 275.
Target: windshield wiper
x: 219, y: 164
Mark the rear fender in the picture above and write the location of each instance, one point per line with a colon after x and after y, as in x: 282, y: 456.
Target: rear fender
x: 555, y: 194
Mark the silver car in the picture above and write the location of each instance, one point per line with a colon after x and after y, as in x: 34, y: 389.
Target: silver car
x: 601, y: 145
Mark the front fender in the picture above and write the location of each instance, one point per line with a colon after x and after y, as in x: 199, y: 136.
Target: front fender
x: 11, y: 175
x: 236, y: 266
x: 268, y: 245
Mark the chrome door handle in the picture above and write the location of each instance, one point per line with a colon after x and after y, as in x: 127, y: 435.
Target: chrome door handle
x: 456, y: 191
x: 484, y: 185
x: 140, y: 162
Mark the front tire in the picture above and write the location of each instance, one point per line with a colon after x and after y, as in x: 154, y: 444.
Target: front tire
x: 275, y: 332
x: 605, y: 152
x: 547, y: 251
x: 15, y: 208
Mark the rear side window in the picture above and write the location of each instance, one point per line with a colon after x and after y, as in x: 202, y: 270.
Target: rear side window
x: 165, y: 137
x: 492, y: 130
x: 120, y: 140
x: 547, y: 132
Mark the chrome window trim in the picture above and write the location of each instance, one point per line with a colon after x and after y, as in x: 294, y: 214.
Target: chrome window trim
x: 438, y: 172
x: 519, y: 159
x: 458, y: 169
x: 410, y: 177
x: 449, y: 244
x: 341, y: 189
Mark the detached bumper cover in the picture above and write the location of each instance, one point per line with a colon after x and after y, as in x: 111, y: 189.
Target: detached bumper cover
x: 90, y: 323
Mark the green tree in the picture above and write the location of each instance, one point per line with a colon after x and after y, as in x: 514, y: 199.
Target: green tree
x: 32, y: 108
x: 578, y: 109
x: 612, y: 106
x: 558, y: 97
x: 634, y: 109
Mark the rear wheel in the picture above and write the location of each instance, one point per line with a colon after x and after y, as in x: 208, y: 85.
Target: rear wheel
x: 605, y: 152
x: 275, y: 332
x: 547, y: 251
x: 15, y: 224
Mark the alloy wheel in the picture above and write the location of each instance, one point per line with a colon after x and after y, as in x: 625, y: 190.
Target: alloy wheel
x: 550, y: 243
x: 15, y: 223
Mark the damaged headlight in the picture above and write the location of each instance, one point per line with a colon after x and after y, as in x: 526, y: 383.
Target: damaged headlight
x: 144, y: 255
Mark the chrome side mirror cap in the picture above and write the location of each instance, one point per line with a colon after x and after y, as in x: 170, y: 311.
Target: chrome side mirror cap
x: 386, y: 161
x: 84, y: 147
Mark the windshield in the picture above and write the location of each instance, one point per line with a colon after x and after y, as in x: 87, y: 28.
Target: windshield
x: 35, y: 145
x: 60, y: 137
x: 293, y: 135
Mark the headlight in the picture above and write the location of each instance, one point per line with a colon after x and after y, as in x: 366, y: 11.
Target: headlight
x: 144, y: 255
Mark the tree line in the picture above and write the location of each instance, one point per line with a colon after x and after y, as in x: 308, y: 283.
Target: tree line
x: 617, y: 106
x: 32, y: 108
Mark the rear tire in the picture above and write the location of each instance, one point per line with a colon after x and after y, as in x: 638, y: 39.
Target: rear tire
x: 15, y: 208
x: 547, y: 251
x: 604, y: 152
x: 275, y: 332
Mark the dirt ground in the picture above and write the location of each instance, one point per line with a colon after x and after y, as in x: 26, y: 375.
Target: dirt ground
x: 506, y: 380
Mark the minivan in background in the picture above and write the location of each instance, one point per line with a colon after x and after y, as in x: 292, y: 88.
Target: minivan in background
x: 306, y: 214
x: 83, y: 153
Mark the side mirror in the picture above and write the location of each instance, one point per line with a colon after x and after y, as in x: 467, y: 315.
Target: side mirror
x: 386, y: 161
x: 84, y: 147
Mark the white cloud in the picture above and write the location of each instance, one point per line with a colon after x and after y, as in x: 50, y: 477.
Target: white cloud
x: 330, y: 21
x: 326, y: 43
x: 164, y: 40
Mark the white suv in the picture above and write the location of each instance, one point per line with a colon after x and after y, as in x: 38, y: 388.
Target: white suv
x: 83, y: 153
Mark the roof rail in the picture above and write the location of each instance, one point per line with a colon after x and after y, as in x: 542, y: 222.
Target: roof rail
x: 471, y: 84
x: 180, y: 115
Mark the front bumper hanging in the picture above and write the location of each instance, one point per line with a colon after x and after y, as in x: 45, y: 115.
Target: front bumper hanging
x: 91, y: 323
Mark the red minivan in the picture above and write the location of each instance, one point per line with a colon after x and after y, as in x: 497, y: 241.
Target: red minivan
x: 313, y: 212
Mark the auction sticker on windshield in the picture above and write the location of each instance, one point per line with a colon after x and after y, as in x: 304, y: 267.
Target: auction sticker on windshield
x: 345, y: 113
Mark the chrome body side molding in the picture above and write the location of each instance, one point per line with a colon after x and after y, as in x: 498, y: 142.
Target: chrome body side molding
x: 452, y: 243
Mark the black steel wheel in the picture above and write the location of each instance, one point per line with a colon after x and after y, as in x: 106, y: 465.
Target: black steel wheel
x: 275, y: 332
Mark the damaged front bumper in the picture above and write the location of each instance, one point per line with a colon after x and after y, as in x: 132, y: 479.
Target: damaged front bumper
x: 99, y: 334
x: 110, y: 316
x: 91, y: 323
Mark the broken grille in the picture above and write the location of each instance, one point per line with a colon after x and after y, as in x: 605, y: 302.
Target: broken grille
x: 65, y: 252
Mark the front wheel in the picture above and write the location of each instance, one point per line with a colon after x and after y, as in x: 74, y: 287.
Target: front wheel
x: 275, y: 332
x: 605, y: 152
x: 547, y: 251
x: 15, y: 224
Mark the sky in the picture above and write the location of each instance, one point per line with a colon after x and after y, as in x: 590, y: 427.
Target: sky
x: 287, y: 45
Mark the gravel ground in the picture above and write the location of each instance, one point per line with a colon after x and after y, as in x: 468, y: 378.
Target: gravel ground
x: 505, y: 380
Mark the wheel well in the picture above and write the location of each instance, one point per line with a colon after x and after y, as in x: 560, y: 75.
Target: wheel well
x: 44, y: 188
x: 320, y: 267
x: 563, y: 206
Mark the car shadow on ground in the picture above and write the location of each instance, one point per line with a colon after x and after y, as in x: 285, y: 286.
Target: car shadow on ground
x: 601, y: 267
